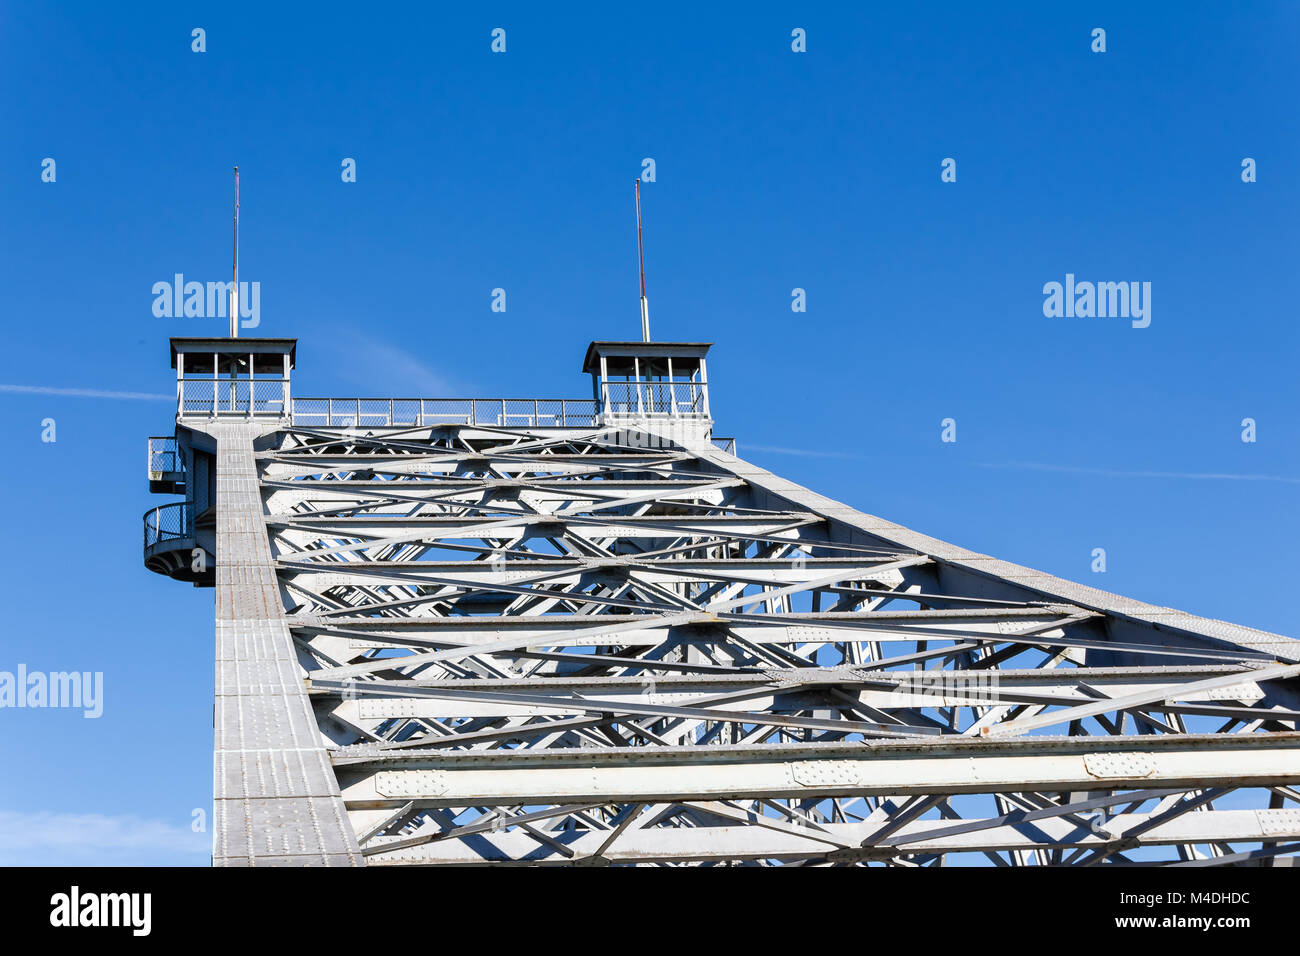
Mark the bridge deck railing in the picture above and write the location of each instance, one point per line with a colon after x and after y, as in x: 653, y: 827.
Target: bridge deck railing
x: 207, y: 398
x: 420, y: 412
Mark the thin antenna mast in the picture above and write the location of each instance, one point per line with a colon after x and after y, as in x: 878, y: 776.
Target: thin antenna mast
x: 640, y: 253
x: 234, y: 287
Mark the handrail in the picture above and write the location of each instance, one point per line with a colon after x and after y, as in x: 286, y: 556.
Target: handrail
x: 162, y: 456
x: 421, y: 412
x: 655, y: 399
x: 168, y: 522
x: 207, y: 398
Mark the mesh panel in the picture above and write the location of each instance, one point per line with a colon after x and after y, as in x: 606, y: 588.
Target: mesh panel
x: 196, y: 396
x: 311, y: 411
x: 442, y: 411
x: 406, y: 411
x: 654, y: 398
x: 373, y: 411
x: 489, y: 411
x: 205, y: 397
x: 518, y: 411
x: 687, y: 399
x: 268, y: 397
x: 163, y: 456
x: 580, y: 414
x: 167, y: 523
x: 549, y: 412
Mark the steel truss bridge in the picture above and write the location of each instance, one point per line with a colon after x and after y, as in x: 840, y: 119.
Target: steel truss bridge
x: 588, y: 634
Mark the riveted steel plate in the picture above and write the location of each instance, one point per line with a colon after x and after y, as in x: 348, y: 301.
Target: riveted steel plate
x: 826, y: 773
x: 411, y: 783
x: 1106, y: 766
x: 1279, y: 822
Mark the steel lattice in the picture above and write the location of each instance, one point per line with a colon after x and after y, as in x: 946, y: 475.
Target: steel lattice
x: 547, y: 646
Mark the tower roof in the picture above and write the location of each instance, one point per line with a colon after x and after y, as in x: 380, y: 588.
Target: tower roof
x: 199, y: 347
x: 688, y: 354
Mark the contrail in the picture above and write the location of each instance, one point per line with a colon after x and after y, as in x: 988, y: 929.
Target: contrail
x: 1114, y: 473
x: 804, y: 452
x: 86, y: 393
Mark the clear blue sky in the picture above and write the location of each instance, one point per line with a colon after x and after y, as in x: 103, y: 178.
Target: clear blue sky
x: 775, y: 170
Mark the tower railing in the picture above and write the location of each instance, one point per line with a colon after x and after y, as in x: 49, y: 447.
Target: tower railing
x: 163, y: 456
x: 168, y: 522
x: 165, y: 464
x: 679, y: 399
x: 233, y: 398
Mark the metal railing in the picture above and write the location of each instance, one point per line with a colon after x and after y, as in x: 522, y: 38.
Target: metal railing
x: 421, y: 412
x: 163, y: 457
x: 269, y: 398
x: 681, y: 399
x: 168, y: 522
x: 233, y: 398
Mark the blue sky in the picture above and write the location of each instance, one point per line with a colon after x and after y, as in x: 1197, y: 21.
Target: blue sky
x: 774, y: 170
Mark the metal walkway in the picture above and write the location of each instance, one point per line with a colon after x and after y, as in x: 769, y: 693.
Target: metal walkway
x: 275, y: 797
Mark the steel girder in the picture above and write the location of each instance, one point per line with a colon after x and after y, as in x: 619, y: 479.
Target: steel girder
x: 560, y: 646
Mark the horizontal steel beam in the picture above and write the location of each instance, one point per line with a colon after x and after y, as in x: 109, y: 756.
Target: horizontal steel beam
x: 440, y: 699
x: 837, y: 841
x: 371, y: 778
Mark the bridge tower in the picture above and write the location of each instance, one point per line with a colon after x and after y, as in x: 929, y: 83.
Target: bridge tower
x: 583, y: 631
